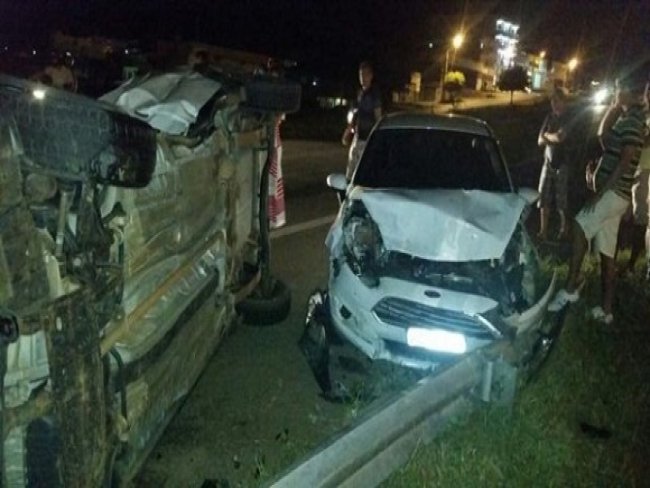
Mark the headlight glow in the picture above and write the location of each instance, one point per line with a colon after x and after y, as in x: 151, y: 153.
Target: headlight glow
x: 601, y: 96
x: 437, y: 340
x: 39, y: 93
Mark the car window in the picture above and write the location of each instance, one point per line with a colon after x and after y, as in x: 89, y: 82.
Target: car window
x: 428, y: 158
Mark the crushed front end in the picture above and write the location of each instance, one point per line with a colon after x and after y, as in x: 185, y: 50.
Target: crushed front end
x: 422, y: 312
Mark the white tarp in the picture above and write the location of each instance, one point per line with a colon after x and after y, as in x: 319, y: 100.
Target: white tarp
x: 168, y: 102
x: 440, y: 225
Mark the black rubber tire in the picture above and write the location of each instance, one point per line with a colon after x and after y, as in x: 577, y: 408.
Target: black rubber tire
x: 257, y: 310
x: 266, y: 94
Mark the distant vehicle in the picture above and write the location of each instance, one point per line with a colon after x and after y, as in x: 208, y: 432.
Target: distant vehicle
x: 602, y: 94
x: 132, y: 232
x: 429, y: 256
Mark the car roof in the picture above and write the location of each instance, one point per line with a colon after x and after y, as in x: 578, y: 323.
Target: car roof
x: 455, y: 123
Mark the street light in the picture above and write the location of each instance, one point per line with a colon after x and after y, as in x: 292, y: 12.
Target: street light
x: 456, y: 43
x: 573, y: 62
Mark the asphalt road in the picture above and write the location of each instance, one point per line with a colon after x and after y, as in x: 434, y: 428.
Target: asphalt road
x: 256, y: 407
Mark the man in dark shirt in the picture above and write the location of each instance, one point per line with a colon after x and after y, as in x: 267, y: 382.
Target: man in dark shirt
x: 367, y: 111
x: 621, y: 133
x: 554, y: 179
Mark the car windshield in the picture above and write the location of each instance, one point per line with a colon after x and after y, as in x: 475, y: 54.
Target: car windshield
x: 432, y: 159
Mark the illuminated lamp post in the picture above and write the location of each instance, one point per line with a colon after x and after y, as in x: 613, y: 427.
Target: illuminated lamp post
x: 572, y: 64
x: 456, y: 43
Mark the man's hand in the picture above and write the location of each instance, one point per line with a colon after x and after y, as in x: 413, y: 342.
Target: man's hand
x: 346, y: 138
x: 590, y: 175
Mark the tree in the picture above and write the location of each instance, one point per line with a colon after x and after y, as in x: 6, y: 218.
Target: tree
x: 454, y: 82
x: 512, y: 79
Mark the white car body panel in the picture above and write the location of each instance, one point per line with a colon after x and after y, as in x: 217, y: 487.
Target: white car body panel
x: 439, y: 225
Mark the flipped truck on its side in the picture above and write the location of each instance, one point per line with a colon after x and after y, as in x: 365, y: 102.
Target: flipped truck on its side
x: 125, y: 253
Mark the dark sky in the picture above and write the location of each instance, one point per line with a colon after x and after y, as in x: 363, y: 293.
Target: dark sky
x: 331, y: 36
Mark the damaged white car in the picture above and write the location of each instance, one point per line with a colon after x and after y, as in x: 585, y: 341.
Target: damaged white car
x: 429, y: 256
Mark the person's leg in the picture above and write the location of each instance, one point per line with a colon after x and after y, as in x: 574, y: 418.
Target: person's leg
x: 544, y: 200
x: 600, y: 223
x: 563, y: 230
x: 578, y: 251
x: 605, y: 242
x: 580, y: 244
x: 543, y: 222
x: 639, y: 216
x: 353, y: 154
x: 561, y: 198
x: 637, y: 238
x: 608, y: 281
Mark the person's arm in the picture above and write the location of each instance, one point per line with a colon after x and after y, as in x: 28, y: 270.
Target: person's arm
x: 628, y: 153
x: 541, y: 141
x: 608, y: 120
x: 377, y: 106
x: 554, y: 137
x: 632, y: 140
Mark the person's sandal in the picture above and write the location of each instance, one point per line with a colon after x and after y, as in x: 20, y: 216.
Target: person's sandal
x: 562, y: 299
x: 599, y: 315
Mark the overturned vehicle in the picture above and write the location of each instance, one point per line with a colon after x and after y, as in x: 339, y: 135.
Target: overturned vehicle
x: 429, y: 258
x: 132, y: 231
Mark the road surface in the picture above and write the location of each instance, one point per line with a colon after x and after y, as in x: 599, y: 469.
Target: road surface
x: 256, y: 406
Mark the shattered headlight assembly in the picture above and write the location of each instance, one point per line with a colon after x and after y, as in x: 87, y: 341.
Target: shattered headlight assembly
x: 362, y: 243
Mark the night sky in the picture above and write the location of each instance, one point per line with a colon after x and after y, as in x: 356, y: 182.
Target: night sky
x: 329, y: 37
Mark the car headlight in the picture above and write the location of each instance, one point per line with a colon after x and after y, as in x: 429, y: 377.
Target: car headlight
x: 437, y: 340
x: 601, y: 96
x: 363, y: 244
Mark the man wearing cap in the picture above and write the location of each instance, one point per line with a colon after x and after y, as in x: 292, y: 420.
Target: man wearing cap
x: 621, y: 134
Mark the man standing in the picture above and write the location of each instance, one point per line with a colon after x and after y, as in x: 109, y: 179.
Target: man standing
x: 612, y: 180
x: 60, y: 73
x: 367, y: 112
x: 553, y: 181
x: 639, y: 228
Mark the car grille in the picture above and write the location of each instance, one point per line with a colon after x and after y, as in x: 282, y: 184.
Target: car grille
x: 406, y: 313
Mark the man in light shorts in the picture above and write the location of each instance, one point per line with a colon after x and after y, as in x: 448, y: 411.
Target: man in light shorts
x: 621, y: 133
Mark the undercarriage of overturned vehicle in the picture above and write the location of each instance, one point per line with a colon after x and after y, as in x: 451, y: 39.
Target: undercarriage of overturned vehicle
x: 122, y: 256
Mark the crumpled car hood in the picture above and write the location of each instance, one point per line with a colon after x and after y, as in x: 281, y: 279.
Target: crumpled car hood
x: 439, y: 225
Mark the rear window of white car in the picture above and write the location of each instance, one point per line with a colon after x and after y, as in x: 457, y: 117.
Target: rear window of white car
x: 432, y: 159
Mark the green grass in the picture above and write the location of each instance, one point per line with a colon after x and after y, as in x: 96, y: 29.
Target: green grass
x: 596, y: 375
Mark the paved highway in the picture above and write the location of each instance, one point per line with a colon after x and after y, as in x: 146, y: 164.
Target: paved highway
x: 256, y: 407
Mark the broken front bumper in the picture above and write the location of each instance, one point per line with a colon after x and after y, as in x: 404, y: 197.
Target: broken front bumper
x: 344, y: 370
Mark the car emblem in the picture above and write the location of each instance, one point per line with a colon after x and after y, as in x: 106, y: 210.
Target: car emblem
x: 432, y: 294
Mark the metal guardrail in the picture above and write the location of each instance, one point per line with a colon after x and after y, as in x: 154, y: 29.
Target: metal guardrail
x: 384, y: 438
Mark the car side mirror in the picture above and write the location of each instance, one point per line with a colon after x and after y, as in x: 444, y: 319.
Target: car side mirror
x: 337, y: 181
x: 529, y: 195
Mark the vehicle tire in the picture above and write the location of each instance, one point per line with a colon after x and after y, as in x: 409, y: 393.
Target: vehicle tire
x: 273, y: 95
x: 258, y: 310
